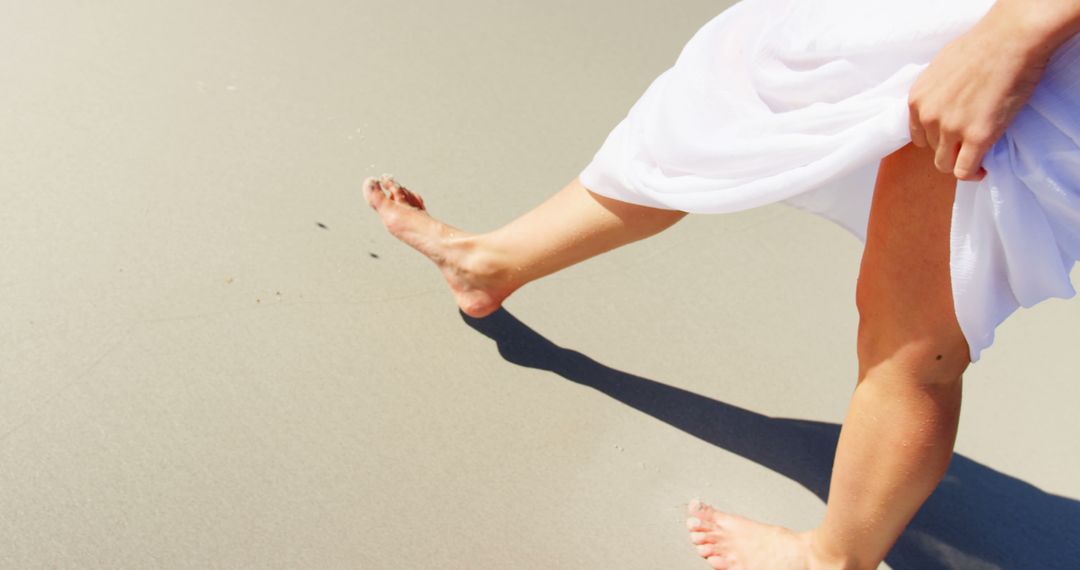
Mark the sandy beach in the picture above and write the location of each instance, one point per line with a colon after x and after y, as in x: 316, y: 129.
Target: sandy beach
x: 213, y: 356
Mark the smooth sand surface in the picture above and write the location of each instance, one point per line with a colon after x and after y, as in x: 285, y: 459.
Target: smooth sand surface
x: 212, y: 356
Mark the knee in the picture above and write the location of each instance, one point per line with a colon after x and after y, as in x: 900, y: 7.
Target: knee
x: 922, y: 360
x: 920, y: 347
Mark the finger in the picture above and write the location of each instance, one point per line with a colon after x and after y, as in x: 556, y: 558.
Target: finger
x: 969, y: 162
x: 918, y: 135
x: 945, y: 155
x: 931, y: 132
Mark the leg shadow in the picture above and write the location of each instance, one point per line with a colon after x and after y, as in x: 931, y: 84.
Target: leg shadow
x: 977, y: 518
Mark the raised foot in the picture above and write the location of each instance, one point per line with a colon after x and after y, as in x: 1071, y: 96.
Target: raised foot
x: 729, y: 542
x: 478, y: 284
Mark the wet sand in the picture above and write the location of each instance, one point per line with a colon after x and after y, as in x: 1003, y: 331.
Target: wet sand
x: 214, y: 357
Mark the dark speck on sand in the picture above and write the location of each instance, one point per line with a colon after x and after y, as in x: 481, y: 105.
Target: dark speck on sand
x: 373, y: 255
x: 321, y: 225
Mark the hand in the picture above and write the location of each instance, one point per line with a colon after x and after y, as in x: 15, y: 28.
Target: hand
x: 970, y: 92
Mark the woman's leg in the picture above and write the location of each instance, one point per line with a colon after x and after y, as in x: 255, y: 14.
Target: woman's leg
x: 483, y: 269
x: 897, y: 439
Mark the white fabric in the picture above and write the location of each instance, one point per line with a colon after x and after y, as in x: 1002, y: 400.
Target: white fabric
x: 799, y: 100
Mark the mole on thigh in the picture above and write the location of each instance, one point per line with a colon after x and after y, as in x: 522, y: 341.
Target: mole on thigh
x: 905, y: 290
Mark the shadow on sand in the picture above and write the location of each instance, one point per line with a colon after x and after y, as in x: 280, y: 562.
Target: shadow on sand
x: 977, y: 518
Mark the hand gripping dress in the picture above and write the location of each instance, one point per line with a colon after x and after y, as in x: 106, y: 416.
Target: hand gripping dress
x: 799, y: 100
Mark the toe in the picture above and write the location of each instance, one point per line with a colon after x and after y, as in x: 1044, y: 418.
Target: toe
x: 373, y: 193
x: 700, y: 538
x: 704, y: 510
x: 717, y: 562
x: 701, y: 510
x: 396, y: 191
x: 706, y: 550
x: 694, y: 523
x: 413, y: 198
x: 724, y: 521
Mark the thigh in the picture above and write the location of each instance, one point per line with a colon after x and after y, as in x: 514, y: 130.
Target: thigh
x: 905, y: 290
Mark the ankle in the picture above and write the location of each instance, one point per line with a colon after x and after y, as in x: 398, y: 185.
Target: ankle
x: 824, y: 556
x: 479, y: 259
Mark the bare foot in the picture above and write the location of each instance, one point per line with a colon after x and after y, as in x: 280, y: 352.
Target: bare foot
x: 478, y: 284
x: 729, y: 542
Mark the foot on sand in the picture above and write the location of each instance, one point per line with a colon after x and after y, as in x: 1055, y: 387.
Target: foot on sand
x: 475, y: 278
x: 728, y: 542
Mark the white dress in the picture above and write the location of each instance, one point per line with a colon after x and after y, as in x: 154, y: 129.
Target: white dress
x: 799, y: 100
